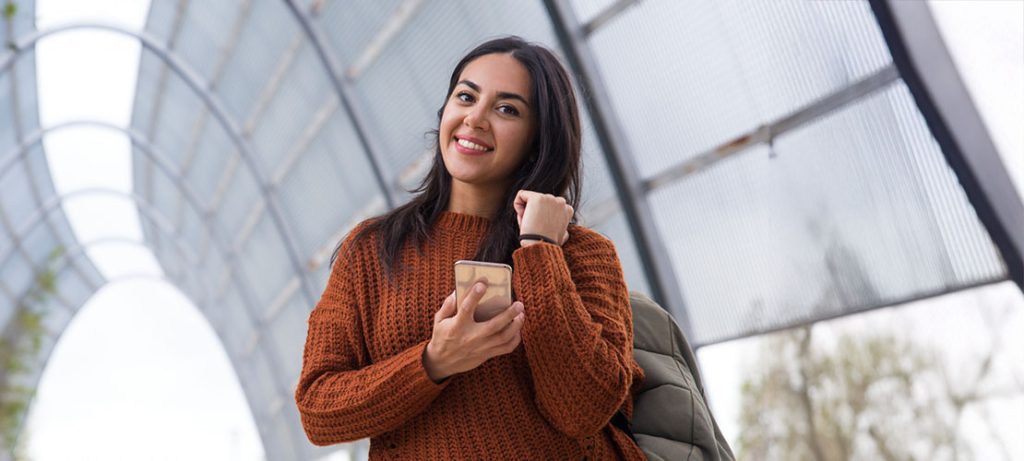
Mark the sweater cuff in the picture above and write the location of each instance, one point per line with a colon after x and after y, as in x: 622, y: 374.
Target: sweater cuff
x: 542, y: 265
x: 418, y: 374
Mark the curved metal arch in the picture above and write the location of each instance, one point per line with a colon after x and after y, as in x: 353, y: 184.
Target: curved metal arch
x: 157, y: 158
x: 152, y: 153
x: 212, y: 102
x: 269, y: 354
x: 39, y: 216
x: 345, y: 96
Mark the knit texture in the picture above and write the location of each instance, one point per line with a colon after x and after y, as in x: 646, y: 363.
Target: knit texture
x: 550, y: 399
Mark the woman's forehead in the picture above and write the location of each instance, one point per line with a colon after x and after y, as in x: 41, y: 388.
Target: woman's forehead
x: 497, y: 73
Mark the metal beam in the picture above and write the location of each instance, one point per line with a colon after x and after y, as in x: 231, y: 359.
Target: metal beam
x: 346, y: 96
x: 766, y: 134
x: 650, y: 248
x: 918, y: 50
x: 199, y: 126
x: 606, y: 15
x: 201, y: 88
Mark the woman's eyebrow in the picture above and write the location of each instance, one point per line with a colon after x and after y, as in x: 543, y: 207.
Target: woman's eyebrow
x: 501, y: 95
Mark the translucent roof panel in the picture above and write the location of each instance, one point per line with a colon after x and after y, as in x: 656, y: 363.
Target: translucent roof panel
x: 687, y: 76
x: 855, y: 210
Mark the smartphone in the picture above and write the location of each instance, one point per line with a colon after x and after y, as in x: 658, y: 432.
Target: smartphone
x: 498, y: 296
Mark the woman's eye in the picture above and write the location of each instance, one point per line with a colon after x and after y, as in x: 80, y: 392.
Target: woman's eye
x: 464, y: 97
x: 509, y: 110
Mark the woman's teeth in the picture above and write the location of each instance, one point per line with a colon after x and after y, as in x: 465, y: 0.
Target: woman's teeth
x: 470, y: 145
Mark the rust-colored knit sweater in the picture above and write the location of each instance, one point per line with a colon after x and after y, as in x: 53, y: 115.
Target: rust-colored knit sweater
x: 550, y: 399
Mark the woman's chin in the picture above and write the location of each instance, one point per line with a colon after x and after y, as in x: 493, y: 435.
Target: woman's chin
x: 470, y: 178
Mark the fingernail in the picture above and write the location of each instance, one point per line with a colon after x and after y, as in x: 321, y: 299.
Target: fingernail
x: 480, y: 288
x: 520, y: 308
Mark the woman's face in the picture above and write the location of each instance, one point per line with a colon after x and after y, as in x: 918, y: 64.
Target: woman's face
x: 486, y: 124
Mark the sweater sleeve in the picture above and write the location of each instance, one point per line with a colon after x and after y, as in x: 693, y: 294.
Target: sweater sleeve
x: 578, y: 333
x: 341, y: 395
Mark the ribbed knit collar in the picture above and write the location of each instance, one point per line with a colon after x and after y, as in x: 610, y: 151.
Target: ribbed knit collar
x: 450, y: 220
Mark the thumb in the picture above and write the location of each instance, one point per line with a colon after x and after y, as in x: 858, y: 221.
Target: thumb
x: 447, y: 309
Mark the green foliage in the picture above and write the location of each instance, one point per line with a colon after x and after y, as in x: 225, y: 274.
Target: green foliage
x: 10, y: 9
x: 20, y: 344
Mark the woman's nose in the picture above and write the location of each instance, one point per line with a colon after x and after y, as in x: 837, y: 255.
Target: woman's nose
x: 475, y: 118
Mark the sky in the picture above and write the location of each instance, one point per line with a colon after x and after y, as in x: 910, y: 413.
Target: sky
x: 140, y: 374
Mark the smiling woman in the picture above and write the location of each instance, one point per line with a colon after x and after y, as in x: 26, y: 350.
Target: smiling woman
x: 540, y: 380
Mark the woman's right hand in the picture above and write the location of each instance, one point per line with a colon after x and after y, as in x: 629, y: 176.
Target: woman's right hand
x: 460, y: 344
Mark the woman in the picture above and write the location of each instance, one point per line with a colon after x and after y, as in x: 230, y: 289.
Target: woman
x: 389, y: 355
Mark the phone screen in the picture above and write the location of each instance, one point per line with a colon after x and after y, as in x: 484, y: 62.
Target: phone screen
x: 499, y: 286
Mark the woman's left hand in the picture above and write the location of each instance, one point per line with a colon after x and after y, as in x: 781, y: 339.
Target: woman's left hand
x: 543, y: 214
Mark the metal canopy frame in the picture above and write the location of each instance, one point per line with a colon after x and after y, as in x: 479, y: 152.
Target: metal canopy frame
x: 923, y: 60
x: 346, y: 96
x: 155, y: 156
x: 651, y: 250
x: 212, y: 102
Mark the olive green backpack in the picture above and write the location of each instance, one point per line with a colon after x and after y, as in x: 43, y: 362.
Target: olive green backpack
x: 671, y: 418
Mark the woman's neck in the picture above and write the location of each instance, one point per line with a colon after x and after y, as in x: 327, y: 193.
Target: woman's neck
x: 475, y: 200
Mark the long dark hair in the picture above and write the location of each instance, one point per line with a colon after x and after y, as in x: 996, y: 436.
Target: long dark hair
x: 552, y: 165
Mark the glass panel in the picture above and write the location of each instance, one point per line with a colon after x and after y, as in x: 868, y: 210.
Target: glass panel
x: 302, y: 95
x: 17, y: 274
x: 265, y: 262
x: 27, y: 104
x: 234, y: 320
x: 857, y: 210
x: 150, y: 70
x: 204, y: 33
x: 283, y: 446
x: 165, y: 196
x: 350, y: 26
x: 161, y: 19
x: 334, y: 174
x: 586, y: 9
x: 175, y: 124
x: 16, y: 200
x: 35, y: 158
x: 191, y: 227
x: 287, y: 332
x: 729, y: 67
x: 211, y: 158
x: 8, y: 133
x: 72, y: 288
x: 267, y: 33
x: 241, y: 195
x: 40, y: 243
